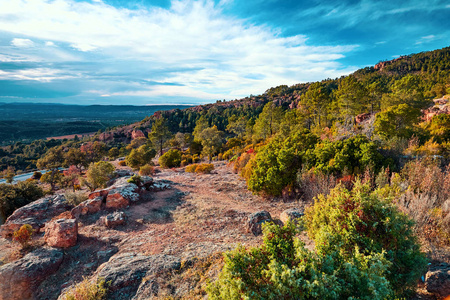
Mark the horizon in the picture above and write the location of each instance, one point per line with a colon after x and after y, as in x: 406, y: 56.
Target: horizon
x: 185, y: 52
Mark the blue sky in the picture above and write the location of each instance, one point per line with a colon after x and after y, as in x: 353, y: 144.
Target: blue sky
x: 165, y: 52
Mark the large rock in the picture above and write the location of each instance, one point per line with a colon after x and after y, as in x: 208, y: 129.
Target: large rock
x: 99, y: 193
x: 126, y: 271
x: 255, y: 221
x: 61, y: 233
x: 90, y: 206
x: 20, y: 279
x: 115, y: 219
x: 292, y: 214
x: 36, y: 214
x: 437, y: 280
x: 120, y: 196
x: 137, y: 134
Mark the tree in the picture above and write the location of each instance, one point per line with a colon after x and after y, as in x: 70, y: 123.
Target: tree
x: 268, y: 121
x: 211, y: 139
x: 75, y: 157
x: 160, y: 134
x: 352, y: 97
x: 237, y: 125
x: 94, y: 151
x: 98, y: 175
x: 53, y: 159
x: 201, y: 124
x: 397, y: 121
x: 317, y: 99
x: 14, y: 196
x: 113, y: 153
x: 9, y: 174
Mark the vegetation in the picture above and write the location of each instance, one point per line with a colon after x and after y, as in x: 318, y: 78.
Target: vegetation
x: 364, y: 248
x: 98, y: 175
x: 170, y: 159
x: 23, y: 235
x: 14, y: 196
x: 200, y: 168
x: 87, y: 290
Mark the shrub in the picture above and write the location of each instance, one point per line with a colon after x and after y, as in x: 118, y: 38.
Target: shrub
x: 87, y: 290
x: 122, y: 163
x: 204, y: 168
x: 283, y: 269
x: 14, y: 196
x: 191, y: 168
x: 170, y: 159
x: 146, y: 170
x: 136, y: 179
x: 140, y: 156
x: 276, y: 164
x: 75, y: 198
x: 98, y: 175
x: 360, y: 219
x: 23, y: 235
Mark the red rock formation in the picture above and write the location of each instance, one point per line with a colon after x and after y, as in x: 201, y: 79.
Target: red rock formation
x: 137, y: 134
x: 61, y: 233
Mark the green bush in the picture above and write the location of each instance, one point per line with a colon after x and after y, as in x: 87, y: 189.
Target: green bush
x: 87, y: 290
x: 364, y: 250
x: 170, y: 159
x: 277, y: 163
x: 360, y: 219
x: 283, y: 269
x: 14, y: 196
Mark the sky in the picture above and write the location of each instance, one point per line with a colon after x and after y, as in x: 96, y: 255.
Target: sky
x: 147, y: 52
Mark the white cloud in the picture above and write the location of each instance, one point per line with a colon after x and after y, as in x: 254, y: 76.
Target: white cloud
x: 49, y: 44
x: 426, y: 39
x: 36, y: 74
x: 22, y: 43
x: 214, y: 53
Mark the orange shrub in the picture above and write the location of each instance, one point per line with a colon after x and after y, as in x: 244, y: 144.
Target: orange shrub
x: 23, y: 235
x: 122, y: 163
x: 204, y: 168
x: 191, y: 168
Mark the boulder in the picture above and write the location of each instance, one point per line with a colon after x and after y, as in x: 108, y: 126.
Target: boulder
x: 115, y: 219
x: 101, y: 193
x: 126, y: 271
x: 20, y: 279
x: 292, y: 214
x: 437, y: 280
x: 255, y: 221
x: 121, y: 196
x: 90, y: 206
x: 36, y: 214
x: 61, y: 233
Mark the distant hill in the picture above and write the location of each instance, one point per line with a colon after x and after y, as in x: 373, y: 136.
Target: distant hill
x: 31, y: 121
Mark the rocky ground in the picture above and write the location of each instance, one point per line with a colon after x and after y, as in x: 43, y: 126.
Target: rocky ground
x: 182, y: 229
x: 165, y: 245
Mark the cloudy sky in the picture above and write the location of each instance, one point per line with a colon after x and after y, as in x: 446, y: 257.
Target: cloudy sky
x: 185, y: 51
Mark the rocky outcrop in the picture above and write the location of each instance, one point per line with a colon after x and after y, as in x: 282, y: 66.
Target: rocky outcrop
x: 363, y: 117
x: 126, y: 271
x: 90, y: 206
x: 255, y: 221
x: 20, y: 279
x: 292, y: 214
x: 437, y: 280
x: 36, y: 214
x: 115, y: 219
x: 137, y: 134
x: 62, y: 233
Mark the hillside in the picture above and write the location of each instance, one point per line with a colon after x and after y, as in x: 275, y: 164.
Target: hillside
x: 334, y: 189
